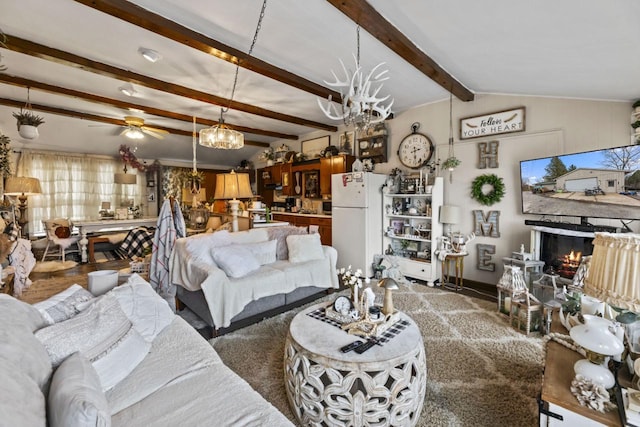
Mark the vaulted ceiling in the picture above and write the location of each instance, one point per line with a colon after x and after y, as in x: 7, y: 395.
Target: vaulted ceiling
x: 75, y: 55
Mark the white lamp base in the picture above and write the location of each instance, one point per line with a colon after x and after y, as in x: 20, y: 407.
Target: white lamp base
x: 596, y: 373
x: 233, y: 204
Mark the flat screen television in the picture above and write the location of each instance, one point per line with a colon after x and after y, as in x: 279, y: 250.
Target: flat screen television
x: 594, y: 184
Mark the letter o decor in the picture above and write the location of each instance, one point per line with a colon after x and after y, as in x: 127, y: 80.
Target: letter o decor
x: 493, y: 196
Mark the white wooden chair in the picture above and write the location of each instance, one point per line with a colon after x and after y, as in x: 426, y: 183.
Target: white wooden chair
x: 63, y: 241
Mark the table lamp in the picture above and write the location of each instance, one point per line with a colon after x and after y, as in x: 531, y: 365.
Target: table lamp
x: 233, y: 186
x: 196, y: 198
x: 22, y: 187
x: 449, y: 215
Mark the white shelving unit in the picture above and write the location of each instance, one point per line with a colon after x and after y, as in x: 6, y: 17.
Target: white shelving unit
x: 411, y: 228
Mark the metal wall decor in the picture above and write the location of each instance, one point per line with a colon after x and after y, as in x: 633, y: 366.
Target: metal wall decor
x: 488, y: 154
x: 484, y: 257
x: 487, y: 225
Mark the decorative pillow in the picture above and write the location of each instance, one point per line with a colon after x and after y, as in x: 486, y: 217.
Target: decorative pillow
x: 22, y: 403
x: 76, y: 398
x: 146, y: 310
x: 103, y: 334
x: 304, y: 248
x: 235, y: 260
x: 16, y: 312
x: 265, y: 252
x: 280, y: 234
x: 63, y: 305
x: 62, y: 232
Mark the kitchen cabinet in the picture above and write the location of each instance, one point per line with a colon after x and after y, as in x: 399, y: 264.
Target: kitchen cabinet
x: 301, y: 220
x: 411, y: 231
x: 330, y: 166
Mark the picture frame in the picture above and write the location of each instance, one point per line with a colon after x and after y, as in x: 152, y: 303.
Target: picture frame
x: 347, y: 142
x: 312, y: 148
x: 398, y: 226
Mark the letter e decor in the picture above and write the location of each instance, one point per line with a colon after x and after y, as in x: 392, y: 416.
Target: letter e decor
x: 488, y: 225
x: 484, y: 257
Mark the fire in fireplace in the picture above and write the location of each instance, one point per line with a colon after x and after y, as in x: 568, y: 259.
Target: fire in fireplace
x: 561, y: 250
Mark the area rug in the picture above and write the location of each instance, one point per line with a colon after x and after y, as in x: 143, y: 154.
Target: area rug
x: 109, y: 255
x: 50, y: 266
x: 480, y: 371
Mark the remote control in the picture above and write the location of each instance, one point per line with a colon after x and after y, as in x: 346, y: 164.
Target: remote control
x: 347, y: 348
x: 364, y: 347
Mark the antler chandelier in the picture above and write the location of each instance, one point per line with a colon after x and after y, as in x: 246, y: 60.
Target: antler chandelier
x: 360, y: 106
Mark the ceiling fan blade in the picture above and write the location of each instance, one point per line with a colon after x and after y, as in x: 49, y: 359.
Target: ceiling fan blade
x: 152, y: 129
x: 152, y: 133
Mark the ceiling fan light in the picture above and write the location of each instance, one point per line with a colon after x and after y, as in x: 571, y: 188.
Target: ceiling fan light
x: 221, y: 136
x: 128, y: 90
x: 133, y: 133
x: 150, y: 54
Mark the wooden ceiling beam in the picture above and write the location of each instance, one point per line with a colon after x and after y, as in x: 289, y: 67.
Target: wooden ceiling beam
x: 363, y: 14
x: 101, y: 119
x: 33, y: 84
x: 37, y: 50
x: 164, y: 27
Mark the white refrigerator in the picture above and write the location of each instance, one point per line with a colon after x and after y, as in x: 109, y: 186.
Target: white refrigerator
x: 356, y: 224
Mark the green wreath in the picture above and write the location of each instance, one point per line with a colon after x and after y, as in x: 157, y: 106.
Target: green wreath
x: 493, y: 196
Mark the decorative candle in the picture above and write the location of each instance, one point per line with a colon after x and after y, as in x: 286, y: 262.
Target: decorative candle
x: 507, y: 304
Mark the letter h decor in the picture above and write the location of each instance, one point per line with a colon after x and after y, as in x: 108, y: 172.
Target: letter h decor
x: 488, y: 154
x: 487, y: 225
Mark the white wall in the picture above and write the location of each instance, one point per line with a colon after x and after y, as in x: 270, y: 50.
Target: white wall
x: 553, y: 126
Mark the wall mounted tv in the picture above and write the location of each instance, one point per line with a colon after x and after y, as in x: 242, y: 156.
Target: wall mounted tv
x: 594, y: 184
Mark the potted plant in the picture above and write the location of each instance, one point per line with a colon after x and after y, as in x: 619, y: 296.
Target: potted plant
x: 636, y: 126
x: 28, y: 123
x: 268, y: 156
x: 636, y: 108
x: 451, y: 163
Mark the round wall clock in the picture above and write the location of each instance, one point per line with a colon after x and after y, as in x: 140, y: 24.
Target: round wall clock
x: 415, y: 149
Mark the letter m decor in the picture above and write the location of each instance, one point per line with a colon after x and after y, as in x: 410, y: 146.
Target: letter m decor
x: 488, y: 225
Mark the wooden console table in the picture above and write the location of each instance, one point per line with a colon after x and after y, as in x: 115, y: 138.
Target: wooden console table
x: 556, y: 397
x: 91, y: 226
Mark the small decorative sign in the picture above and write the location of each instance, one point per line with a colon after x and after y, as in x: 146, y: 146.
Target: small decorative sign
x: 493, y: 123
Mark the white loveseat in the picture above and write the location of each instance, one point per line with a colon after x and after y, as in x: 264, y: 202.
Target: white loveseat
x: 179, y: 380
x: 274, y: 269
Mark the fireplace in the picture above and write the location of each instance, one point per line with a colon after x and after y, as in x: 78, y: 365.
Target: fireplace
x: 561, y: 250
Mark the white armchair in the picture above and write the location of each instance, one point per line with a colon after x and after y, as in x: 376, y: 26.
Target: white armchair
x: 62, y: 238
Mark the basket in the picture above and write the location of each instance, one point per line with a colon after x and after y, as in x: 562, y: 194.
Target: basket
x: 139, y: 267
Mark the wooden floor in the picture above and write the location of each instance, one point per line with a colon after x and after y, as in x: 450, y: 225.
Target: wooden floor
x: 46, y: 284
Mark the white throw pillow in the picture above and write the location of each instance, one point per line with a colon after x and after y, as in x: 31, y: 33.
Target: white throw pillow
x: 22, y: 402
x: 304, y: 247
x: 235, y: 260
x: 265, y: 252
x: 76, y: 398
x: 63, y: 305
x: 20, y: 347
x: 146, y: 310
x: 104, y: 335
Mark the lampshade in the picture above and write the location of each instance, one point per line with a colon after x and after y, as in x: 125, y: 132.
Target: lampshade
x: 105, y: 206
x: 125, y: 178
x: 187, y: 195
x: 450, y: 214
x: 613, y: 275
x: 14, y: 186
x: 233, y: 186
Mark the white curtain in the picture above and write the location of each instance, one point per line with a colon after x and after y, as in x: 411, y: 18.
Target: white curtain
x: 614, y: 272
x: 73, y: 186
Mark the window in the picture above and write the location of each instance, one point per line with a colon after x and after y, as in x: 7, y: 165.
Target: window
x: 74, y: 186
x: 611, y: 183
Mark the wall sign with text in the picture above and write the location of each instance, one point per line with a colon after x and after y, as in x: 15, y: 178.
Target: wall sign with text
x: 492, y: 124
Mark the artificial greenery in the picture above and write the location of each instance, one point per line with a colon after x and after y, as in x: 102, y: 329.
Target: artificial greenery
x: 5, y: 151
x: 635, y: 124
x: 28, y: 118
x: 636, y: 104
x: 493, y: 196
x: 451, y: 163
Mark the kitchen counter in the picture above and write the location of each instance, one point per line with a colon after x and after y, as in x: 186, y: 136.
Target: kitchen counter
x: 316, y: 215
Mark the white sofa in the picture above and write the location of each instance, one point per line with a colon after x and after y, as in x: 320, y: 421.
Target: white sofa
x: 180, y: 379
x: 277, y: 268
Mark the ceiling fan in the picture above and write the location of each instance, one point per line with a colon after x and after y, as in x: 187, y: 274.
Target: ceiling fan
x: 136, y: 129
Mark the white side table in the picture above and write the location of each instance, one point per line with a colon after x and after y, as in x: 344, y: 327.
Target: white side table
x: 383, y: 386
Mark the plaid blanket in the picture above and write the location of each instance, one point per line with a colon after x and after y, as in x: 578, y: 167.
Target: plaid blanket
x: 137, y: 241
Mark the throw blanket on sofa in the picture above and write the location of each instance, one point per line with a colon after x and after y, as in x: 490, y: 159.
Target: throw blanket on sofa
x: 170, y: 226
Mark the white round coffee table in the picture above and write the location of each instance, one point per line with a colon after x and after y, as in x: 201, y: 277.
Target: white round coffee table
x: 385, y: 385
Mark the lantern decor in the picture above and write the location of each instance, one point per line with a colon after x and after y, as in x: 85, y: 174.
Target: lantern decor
x: 515, y: 300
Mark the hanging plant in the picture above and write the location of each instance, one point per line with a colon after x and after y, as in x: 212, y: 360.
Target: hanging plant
x: 494, y: 195
x: 27, y: 118
x: 451, y: 163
